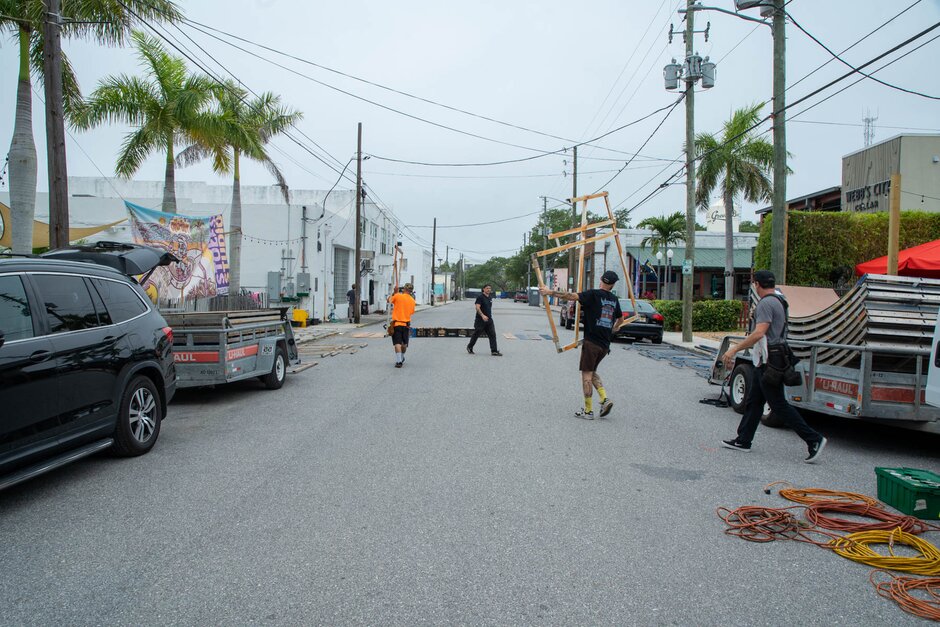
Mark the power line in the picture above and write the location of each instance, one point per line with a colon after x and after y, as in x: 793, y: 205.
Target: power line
x: 855, y: 69
x: 461, y: 226
x: 897, y: 128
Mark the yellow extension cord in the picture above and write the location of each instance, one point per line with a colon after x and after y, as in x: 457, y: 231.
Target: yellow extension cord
x: 855, y: 546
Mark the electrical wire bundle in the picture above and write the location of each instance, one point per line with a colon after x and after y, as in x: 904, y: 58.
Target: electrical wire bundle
x: 899, y: 589
x: 807, y: 496
x: 755, y: 523
x: 857, y: 547
x: 888, y: 520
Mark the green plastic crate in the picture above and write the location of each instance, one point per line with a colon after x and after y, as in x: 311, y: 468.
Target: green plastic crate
x: 911, y: 491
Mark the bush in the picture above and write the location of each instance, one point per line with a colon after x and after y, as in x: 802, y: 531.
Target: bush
x: 707, y: 315
x: 824, y: 247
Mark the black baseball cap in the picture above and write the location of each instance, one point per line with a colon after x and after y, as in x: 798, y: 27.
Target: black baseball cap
x: 610, y: 277
x: 765, y: 278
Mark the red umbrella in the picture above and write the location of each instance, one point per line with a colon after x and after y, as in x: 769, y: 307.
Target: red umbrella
x: 920, y: 261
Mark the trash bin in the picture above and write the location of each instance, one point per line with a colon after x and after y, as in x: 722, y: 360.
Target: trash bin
x: 364, y: 309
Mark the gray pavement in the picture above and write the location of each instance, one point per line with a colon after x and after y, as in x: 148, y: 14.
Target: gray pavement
x: 458, y: 489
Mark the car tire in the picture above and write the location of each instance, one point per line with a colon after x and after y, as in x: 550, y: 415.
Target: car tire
x: 742, y: 378
x: 275, y: 379
x: 658, y: 340
x: 139, y: 418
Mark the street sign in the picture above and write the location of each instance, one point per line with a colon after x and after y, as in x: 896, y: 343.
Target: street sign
x: 687, y: 267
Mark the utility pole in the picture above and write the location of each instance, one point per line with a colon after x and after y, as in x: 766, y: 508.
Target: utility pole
x: 528, y: 268
x: 55, y: 128
x: 574, y: 219
x: 433, y: 253
x: 778, y: 240
x: 303, y: 238
x: 357, y: 308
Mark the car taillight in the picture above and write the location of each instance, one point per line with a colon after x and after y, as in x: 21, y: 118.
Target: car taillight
x: 658, y: 318
x: 168, y: 332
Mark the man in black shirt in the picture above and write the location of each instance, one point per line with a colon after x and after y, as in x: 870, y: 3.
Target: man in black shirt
x: 483, y: 323
x: 602, y: 317
x: 351, y: 298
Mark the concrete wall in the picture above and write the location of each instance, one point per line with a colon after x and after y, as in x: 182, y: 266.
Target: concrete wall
x: 866, y: 174
x: 920, y: 173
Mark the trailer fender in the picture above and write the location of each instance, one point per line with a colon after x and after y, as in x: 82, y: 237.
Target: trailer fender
x: 266, y: 350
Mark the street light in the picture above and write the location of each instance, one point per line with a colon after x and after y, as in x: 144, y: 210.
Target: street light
x: 669, y: 253
x: 659, y: 276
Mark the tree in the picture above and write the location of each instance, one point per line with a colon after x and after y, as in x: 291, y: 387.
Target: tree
x: 747, y: 226
x: 666, y: 230
x: 240, y: 128
x: 739, y: 163
x: 492, y: 272
x: 168, y: 106
x: 105, y: 21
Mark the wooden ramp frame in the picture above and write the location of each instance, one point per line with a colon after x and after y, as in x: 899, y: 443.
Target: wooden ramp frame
x: 582, y: 239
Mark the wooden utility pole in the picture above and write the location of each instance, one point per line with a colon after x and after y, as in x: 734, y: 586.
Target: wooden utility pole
x: 55, y: 128
x: 778, y: 239
x: 433, y: 253
x: 357, y: 308
x: 574, y: 219
x: 894, y: 223
x: 688, y: 267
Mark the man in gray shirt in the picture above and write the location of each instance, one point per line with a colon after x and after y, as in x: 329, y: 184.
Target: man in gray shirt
x: 770, y: 324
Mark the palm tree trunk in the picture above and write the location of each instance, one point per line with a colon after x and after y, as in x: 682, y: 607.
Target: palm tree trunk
x: 235, y: 229
x: 169, y: 179
x: 729, y: 245
x: 23, y: 157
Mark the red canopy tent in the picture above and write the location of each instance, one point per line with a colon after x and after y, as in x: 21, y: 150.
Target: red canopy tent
x: 920, y: 261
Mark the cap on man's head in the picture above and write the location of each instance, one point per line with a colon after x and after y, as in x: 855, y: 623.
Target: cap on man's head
x: 409, y: 286
x: 765, y: 278
x: 610, y: 277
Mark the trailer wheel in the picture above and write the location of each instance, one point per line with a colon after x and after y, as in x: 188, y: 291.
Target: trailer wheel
x: 275, y: 379
x: 742, y: 378
x: 771, y: 419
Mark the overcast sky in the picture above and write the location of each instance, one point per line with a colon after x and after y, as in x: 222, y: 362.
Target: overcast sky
x: 571, y: 70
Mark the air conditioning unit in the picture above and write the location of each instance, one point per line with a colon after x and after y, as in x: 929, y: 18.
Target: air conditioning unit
x: 366, y: 267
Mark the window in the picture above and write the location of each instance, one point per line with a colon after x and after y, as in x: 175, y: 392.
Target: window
x: 104, y: 318
x: 16, y: 321
x: 67, y: 301
x: 122, y: 301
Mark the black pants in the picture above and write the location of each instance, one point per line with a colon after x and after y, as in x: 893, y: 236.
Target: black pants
x: 479, y: 328
x: 773, y: 395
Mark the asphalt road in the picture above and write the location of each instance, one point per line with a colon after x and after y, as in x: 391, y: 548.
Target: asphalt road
x: 458, y: 489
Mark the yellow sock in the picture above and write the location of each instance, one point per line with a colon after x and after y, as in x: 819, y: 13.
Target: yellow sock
x: 588, y: 403
x: 603, y: 394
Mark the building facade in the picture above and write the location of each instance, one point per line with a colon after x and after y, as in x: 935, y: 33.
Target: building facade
x: 301, y: 238
x: 866, y: 174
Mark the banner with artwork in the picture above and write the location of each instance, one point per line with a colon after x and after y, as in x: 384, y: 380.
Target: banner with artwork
x: 199, y: 243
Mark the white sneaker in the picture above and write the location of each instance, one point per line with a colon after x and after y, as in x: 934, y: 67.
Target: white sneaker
x: 586, y: 415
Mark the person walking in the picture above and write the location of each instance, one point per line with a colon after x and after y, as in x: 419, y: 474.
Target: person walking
x: 770, y: 330
x: 483, y: 322
x: 351, y: 299
x: 602, y: 317
x: 403, y: 307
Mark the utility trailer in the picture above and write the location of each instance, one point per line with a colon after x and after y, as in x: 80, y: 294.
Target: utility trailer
x: 216, y: 347
x: 882, y: 384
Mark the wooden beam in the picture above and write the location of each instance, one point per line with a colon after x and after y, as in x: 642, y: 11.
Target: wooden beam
x: 894, y: 223
x: 548, y: 308
x: 580, y: 242
x: 588, y: 197
x: 580, y: 229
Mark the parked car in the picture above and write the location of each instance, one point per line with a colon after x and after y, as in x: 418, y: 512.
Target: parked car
x: 86, y: 362
x: 648, y: 325
x: 521, y: 297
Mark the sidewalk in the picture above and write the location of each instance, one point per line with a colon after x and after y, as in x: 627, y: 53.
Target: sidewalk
x: 698, y: 344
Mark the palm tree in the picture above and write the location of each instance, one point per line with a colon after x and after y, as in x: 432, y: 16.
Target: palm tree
x: 242, y: 129
x: 105, y: 21
x: 168, y: 107
x: 666, y: 230
x: 740, y: 164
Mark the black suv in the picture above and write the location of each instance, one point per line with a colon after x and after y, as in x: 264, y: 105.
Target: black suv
x: 86, y: 362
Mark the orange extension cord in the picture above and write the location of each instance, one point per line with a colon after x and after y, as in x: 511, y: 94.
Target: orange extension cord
x: 808, y: 496
x: 899, y: 589
x: 766, y: 524
x: 888, y: 520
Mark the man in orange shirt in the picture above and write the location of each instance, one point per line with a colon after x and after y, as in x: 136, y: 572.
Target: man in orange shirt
x: 403, y: 306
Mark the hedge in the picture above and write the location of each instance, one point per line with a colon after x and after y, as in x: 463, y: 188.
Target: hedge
x: 824, y: 247
x: 707, y: 315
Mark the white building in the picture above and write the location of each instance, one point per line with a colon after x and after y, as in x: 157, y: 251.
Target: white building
x: 276, y: 237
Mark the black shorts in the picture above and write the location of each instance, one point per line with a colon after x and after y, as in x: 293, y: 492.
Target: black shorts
x: 591, y: 356
x: 400, y: 335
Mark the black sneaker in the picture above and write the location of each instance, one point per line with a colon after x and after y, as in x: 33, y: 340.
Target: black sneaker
x: 470, y: 349
x: 496, y: 354
x: 736, y: 446
x: 815, y: 450
x: 398, y: 364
